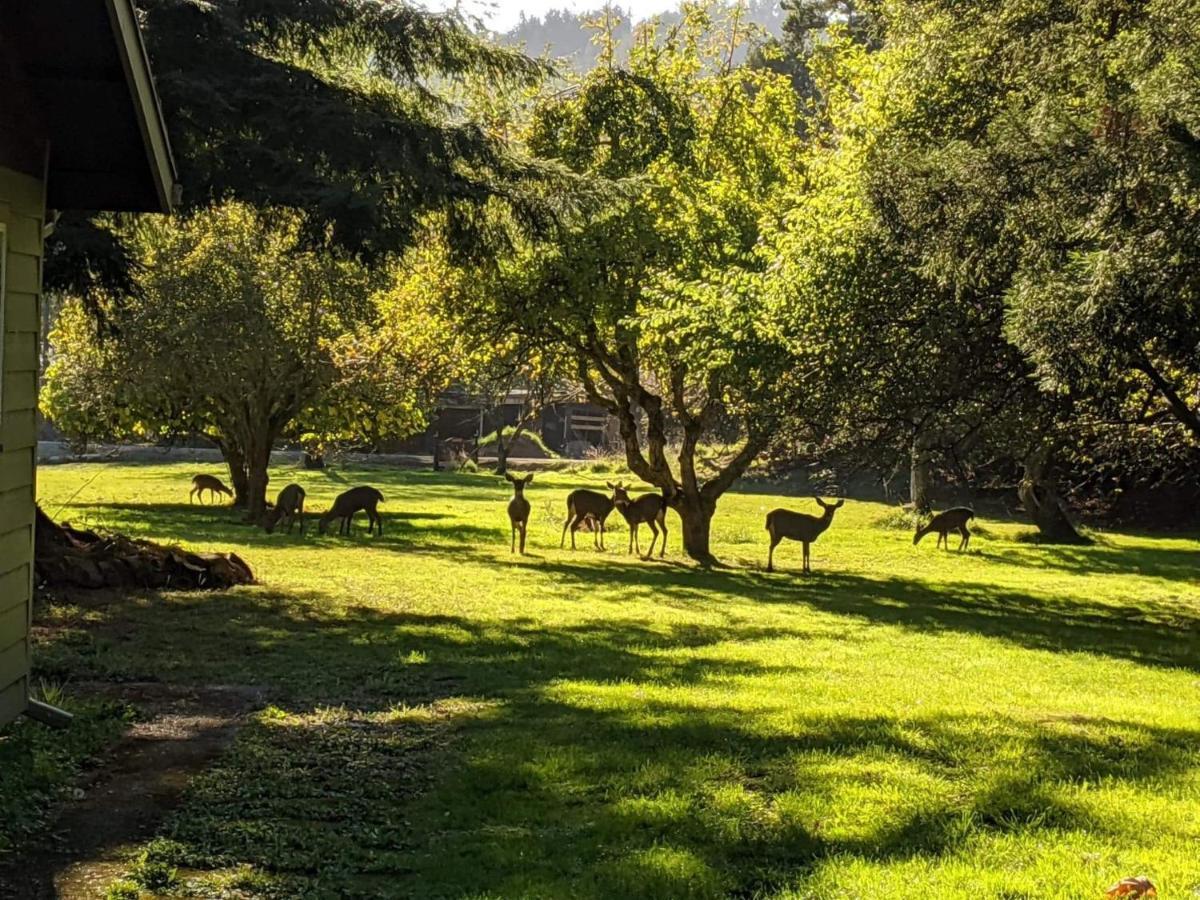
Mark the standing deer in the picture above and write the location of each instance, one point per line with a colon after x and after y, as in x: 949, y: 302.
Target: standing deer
x: 584, y: 505
x: 518, y: 509
x: 648, y: 508
x: 290, y: 505
x: 348, y: 503
x: 954, y: 519
x: 782, y: 523
x: 210, y: 483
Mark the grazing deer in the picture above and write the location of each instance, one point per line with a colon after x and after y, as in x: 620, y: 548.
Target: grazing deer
x: 648, y: 508
x: 943, y: 523
x: 210, y: 483
x: 518, y: 509
x: 585, y: 506
x: 290, y: 505
x: 348, y: 503
x: 782, y: 523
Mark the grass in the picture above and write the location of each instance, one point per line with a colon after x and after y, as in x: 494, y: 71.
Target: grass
x: 448, y: 720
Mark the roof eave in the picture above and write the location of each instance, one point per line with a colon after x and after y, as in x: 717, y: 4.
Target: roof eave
x: 135, y: 61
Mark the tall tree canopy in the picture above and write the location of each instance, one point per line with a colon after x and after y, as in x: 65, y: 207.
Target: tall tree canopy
x: 340, y: 109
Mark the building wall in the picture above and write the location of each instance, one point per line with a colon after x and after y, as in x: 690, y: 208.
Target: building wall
x: 22, y: 214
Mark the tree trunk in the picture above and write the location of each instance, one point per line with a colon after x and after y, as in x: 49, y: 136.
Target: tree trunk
x: 235, y: 459
x: 696, y: 516
x: 258, y: 459
x: 920, y: 476
x: 501, y: 456
x: 1042, y: 503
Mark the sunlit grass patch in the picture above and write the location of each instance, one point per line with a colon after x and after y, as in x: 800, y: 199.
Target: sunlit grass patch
x: 451, y: 720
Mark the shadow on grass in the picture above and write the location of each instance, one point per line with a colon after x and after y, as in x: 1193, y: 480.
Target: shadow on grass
x: 550, y: 789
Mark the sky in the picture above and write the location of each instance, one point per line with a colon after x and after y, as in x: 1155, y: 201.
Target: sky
x: 502, y: 15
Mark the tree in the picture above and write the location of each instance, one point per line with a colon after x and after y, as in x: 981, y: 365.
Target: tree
x: 650, y: 297
x: 1066, y: 179
x: 335, y: 108
x: 913, y: 366
x: 239, y: 332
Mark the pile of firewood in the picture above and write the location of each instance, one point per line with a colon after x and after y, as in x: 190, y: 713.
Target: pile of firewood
x: 71, y: 557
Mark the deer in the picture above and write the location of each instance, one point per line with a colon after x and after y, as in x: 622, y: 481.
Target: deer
x: 783, y: 523
x: 650, y: 509
x: 518, y: 509
x: 290, y: 505
x: 584, y: 506
x: 210, y: 483
x: 954, y: 519
x: 347, y: 503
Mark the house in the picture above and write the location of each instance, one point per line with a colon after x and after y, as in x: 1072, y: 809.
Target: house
x: 80, y: 129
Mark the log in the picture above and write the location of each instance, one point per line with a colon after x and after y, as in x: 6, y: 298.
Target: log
x: 74, y: 557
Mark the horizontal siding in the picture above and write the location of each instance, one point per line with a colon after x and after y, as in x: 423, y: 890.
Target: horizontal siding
x: 12, y: 701
x: 16, y: 470
x: 13, y: 625
x: 18, y: 430
x: 15, y: 544
x: 14, y: 662
x: 21, y: 211
x: 19, y: 392
x: 20, y: 351
x: 23, y: 193
x: 21, y: 311
x: 14, y: 586
x: 16, y: 509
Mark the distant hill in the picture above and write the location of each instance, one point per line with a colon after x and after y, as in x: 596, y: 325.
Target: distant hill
x: 563, y: 34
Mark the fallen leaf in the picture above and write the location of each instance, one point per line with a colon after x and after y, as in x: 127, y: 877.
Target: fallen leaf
x: 1133, y: 888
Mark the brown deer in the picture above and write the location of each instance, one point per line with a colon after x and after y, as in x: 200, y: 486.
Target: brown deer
x: 648, y: 508
x: 585, y: 506
x: 210, y: 483
x: 290, y: 505
x: 348, y: 503
x: 954, y: 519
x: 783, y: 523
x: 518, y: 509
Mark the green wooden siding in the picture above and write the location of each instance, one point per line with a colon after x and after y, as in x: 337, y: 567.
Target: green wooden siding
x: 21, y: 212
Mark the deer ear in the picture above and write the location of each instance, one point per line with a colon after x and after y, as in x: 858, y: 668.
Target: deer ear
x: 529, y: 478
x: 611, y: 486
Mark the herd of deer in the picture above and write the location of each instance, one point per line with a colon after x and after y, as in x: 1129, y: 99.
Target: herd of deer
x: 585, y: 510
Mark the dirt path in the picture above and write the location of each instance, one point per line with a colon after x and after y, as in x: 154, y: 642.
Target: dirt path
x: 127, y: 796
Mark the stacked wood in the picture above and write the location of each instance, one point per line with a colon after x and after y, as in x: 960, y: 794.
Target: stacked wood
x: 72, y: 557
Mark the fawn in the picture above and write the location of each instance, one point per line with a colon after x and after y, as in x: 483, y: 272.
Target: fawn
x: 648, y: 508
x: 348, y: 503
x: 943, y: 523
x: 210, y: 483
x: 290, y: 505
x: 518, y: 509
x: 584, y: 506
x: 782, y: 523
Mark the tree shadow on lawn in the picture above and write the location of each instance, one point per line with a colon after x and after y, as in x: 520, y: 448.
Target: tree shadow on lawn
x: 183, y: 522
x: 1147, y: 635
x: 548, y: 790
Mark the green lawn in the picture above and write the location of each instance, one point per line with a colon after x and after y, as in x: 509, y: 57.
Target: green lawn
x: 451, y: 721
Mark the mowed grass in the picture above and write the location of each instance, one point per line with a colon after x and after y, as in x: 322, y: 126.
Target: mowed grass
x: 449, y: 720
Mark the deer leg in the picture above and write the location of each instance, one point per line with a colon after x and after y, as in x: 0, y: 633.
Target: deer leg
x: 653, y: 539
x: 523, y: 524
x: 567, y: 524
x: 966, y: 538
x: 662, y: 523
x: 771, y: 553
x: 378, y: 523
x: 512, y: 547
x: 807, y: 567
x: 598, y: 537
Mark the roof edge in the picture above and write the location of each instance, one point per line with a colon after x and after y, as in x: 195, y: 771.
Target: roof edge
x: 138, y: 76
